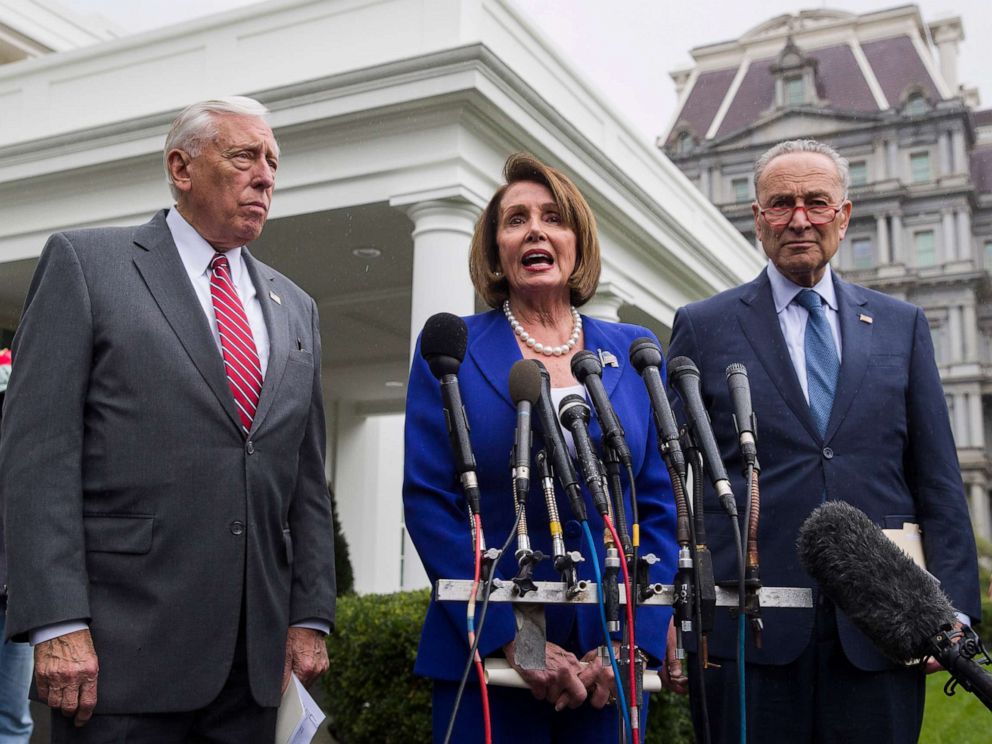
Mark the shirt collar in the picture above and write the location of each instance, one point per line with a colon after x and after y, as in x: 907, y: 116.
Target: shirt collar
x: 784, y: 290
x: 195, y: 252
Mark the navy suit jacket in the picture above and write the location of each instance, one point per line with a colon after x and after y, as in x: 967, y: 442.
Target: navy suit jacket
x: 437, y: 517
x: 888, y: 449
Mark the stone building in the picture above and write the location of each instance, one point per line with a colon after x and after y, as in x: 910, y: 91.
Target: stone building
x: 883, y: 89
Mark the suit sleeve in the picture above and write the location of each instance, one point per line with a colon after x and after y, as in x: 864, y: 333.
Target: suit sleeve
x: 41, y: 446
x: 435, y: 512
x: 313, y: 589
x: 934, y: 478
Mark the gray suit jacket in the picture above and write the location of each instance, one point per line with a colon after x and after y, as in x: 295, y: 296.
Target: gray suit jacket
x: 131, y: 497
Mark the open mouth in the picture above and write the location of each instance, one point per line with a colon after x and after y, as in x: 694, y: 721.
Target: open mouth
x: 537, y: 258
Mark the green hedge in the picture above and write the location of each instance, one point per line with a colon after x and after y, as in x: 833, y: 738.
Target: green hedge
x: 373, y: 697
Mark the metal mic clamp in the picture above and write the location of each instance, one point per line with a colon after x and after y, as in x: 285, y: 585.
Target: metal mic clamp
x: 526, y: 560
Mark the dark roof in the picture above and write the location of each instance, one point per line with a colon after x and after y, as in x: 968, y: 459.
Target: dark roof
x: 755, y: 96
x: 897, y: 67
x: 705, y: 98
x: 981, y: 168
x: 840, y: 81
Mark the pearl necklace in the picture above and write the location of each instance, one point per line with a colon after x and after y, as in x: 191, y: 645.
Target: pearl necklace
x: 540, y: 348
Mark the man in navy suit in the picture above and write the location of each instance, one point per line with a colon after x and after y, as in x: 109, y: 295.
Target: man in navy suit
x: 850, y: 407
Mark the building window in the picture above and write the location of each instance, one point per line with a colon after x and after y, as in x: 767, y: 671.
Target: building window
x: 858, y: 170
x: 988, y: 256
x: 916, y: 104
x: 741, y: 191
x: 684, y: 144
x: 925, y: 247
x: 919, y: 167
x: 793, y: 92
x: 862, y: 253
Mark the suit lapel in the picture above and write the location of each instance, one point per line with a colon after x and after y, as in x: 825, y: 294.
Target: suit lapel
x: 158, y: 262
x: 277, y: 324
x: 494, y: 350
x: 856, y: 337
x: 759, y: 322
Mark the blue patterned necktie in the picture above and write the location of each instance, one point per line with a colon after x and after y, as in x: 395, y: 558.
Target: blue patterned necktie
x: 822, y: 362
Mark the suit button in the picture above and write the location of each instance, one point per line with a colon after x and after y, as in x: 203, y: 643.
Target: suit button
x: 572, y: 529
x: 237, y: 527
x: 828, y: 453
x: 250, y: 447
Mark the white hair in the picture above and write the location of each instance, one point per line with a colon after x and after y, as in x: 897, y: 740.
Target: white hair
x: 804, y: 145
x: 196, y: 126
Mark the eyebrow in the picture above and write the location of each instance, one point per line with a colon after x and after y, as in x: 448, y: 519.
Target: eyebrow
x: 546, y: 207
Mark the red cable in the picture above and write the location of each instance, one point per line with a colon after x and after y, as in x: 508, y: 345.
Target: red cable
x: 629, y: 605
x: 476, y: 548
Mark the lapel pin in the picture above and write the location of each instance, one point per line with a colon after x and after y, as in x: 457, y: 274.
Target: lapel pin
x: 866, y: 319
x: 276, y: 299
x: 607, y: 359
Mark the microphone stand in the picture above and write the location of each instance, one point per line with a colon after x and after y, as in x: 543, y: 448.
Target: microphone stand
x: 564, y: 561
x: 526, y: 557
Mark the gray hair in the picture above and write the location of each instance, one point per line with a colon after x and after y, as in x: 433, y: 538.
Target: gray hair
x: 804, y: 145
x: 196, y: 126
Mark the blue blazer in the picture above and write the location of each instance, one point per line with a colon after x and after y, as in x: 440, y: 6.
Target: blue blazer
x: 437, y: 517
x: 888, y: 449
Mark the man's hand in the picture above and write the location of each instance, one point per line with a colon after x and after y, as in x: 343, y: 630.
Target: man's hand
x: 598, y: 680
x: 306, y: 656
x: 673, y: 676
x: 558, y: 682
x: 65, y: 670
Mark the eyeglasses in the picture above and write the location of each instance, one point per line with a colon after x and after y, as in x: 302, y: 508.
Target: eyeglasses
x: 819, y: 214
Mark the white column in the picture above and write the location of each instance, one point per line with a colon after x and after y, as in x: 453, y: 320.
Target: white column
x: 705, y: 185
x: 882, y: 225
x: 879, y: 171
x: 961, y: 436
x: 944, y: 161
x: 969, y: 321
x: 959, y: 158
x: 955, y: 332
x: 947, y: 222
x: 964, y: 234
x: 975, y: 415
x: 893, y: 161
x: 898, y: 254
x: 606, y: 303
x: 442, y: 232
x: 981, y: 516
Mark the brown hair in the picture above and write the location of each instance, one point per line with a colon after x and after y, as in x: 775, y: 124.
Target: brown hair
x: 483, y: 261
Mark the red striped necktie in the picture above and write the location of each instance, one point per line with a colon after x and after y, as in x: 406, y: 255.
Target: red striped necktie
x: 244, y: 373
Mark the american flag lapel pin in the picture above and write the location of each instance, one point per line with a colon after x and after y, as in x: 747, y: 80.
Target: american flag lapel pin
x: 866, y: 319
x: 275, y: 298
x: 606, y: 358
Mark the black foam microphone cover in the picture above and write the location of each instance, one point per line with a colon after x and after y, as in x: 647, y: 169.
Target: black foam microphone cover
x: 886, y: 595
x: 443, y: 343
x: 525, y: 381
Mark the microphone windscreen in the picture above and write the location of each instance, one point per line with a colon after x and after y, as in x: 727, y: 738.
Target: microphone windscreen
x: 644, y: 352
x: 443, y: 343
x: 884, y: 593
x: 680, y: 366
x: 525, y: 381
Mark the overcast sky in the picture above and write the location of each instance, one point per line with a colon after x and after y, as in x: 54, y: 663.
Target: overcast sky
x: 626, y: 48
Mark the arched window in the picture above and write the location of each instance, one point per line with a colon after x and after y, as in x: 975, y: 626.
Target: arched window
x: 916, y: 104
x: 684, y: 144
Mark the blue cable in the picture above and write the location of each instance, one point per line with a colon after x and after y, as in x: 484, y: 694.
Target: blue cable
x: 621, y: 699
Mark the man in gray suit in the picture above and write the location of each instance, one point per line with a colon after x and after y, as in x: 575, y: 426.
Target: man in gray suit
x: 162, y: 461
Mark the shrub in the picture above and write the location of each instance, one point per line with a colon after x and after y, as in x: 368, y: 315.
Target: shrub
x: 343, y: 573
x: 372, y: 695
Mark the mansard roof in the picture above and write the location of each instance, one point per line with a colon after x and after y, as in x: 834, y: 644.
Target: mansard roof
x: 859, y: 66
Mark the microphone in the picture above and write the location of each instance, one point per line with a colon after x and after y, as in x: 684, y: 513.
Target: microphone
x: 886, y: 595
x: 645, y: 356
x: 525, y: 389
x: 442, y: 345
x: 554, y: 443
x: 588, y: 370
x: 574, y: 415
x: 685, y: 377
x: 744, y: 419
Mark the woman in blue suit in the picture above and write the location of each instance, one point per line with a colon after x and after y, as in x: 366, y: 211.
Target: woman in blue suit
x: 534, y: 258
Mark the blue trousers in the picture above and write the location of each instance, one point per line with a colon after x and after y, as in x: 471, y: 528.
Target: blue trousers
x: 518, y: 718
x: 16, y: 666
